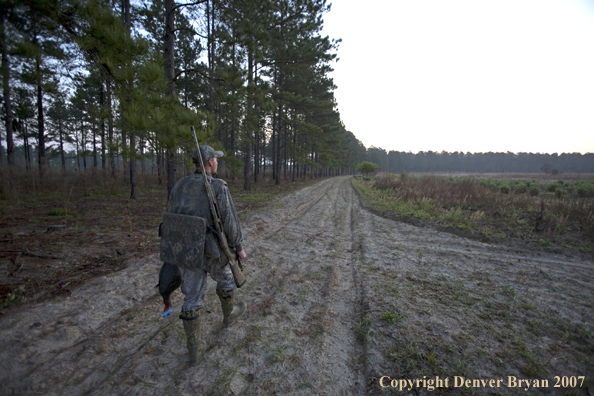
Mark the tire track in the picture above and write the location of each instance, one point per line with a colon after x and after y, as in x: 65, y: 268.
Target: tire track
x: 326, y: 356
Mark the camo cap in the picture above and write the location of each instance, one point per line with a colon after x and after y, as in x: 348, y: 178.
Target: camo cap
x: 207, y: 153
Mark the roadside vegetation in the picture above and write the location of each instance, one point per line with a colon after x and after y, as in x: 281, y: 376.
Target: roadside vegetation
x: 559, y: 213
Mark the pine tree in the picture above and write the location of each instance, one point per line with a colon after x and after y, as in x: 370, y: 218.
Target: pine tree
x: 59, y: 117
x: 5, y: 9
x: 24, y: 114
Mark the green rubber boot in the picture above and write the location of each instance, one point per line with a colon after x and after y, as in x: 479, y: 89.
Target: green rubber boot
x: 231, y: 311
x: 191, y: 321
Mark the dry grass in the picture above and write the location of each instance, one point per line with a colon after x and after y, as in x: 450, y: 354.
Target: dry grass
x: 559, y: 213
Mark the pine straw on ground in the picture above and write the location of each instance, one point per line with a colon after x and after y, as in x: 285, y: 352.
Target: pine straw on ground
x: 58, y: 234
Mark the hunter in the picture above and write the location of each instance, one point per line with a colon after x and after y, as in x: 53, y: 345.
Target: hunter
x: 188, y: 197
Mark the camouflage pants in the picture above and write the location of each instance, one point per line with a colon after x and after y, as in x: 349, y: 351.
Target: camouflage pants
x: 193, y: 284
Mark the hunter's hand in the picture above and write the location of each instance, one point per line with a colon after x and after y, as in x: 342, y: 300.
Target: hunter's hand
x: 241, y: 255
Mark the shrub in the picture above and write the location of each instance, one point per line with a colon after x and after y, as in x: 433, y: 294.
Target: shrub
x: 534, y: 191
x: 551, y: 187
x: 504, y: 189
x: 585, y: 191
x: 403, y: 177
x: 521, y: 190
x: 57, y: 212
x: 367, y: 168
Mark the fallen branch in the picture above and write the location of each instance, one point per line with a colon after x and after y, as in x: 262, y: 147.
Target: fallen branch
x: 33, y: 254
x: 40, y: 255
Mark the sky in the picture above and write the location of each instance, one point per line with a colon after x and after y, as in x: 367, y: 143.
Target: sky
x: 466, y: 75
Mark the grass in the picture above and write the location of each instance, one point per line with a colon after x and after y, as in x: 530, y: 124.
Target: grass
x: 509, y: 291
x: 559, y: 213
x: 278, y: 354
x: 362, y: 329
x: 391, y: 317
x: 15, y: 297
x: 58, y: 212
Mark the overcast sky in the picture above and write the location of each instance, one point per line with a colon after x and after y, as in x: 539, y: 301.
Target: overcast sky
x: 474, y: 75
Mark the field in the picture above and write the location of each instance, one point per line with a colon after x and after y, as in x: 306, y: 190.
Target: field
x: 551, y: 212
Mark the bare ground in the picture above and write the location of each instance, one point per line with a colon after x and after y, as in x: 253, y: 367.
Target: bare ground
x: 338, y: 298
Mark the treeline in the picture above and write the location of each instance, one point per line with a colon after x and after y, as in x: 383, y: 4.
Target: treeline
x: 111, y: 80
x: 430, y: 161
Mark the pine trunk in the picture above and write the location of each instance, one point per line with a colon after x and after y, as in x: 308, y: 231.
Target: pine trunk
x: 142, y: 159
x: 83, y: 136
x: 279, y: 128
x: 211, y: 53
x: 8, y: 116
x: 112, y: 165
x: 171, y: 171
x: 170, y: 75
x: 293, y: 161
x: 125, y: 156
x: 40, y: 122
x: 132, y: 151
x: 62, y: 156
x: 273, y: 142
x: 95, y: 162
x: 247, y: 174
x: 77, y: 152
x: 159, y: 165
x: 133, y: 166
x: 27, y: 151
x: 101, y: 104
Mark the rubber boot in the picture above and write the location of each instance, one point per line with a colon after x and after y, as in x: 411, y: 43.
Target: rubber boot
x: 191, y: 321
x: 231, y: 311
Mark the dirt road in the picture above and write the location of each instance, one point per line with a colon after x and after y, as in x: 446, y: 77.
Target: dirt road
x: 338, y: 298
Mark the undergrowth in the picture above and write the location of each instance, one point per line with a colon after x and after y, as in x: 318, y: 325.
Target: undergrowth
x: 60, y: 232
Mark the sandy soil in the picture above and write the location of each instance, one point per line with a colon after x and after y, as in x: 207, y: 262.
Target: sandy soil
x: 337, y: 299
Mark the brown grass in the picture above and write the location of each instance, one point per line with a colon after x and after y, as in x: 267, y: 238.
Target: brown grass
x: 494, y: 207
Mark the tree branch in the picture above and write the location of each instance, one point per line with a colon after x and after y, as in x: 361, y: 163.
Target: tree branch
x: 175, y: 7
x: 286, y: 62
x: 287, y: 19
x: 189, y: 70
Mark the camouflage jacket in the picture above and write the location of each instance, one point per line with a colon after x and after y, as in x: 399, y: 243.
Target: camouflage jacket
x: 188, y: 197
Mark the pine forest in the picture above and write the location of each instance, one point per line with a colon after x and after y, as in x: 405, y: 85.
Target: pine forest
x: 94, y: 85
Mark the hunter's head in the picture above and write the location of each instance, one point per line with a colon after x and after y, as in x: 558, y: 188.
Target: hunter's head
x: 209, y: 158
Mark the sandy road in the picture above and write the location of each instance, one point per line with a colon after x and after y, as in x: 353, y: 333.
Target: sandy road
x: 322, y: 274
